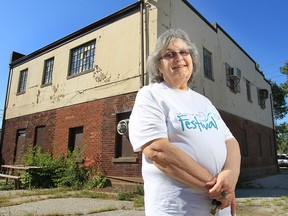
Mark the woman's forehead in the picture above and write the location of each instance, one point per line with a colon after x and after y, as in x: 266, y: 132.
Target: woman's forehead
x: 176, y: 43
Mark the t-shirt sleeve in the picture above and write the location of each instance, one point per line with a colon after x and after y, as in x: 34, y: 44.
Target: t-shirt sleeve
x: 147, y: 120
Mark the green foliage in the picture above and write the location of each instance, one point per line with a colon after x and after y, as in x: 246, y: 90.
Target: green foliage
x: 39, y: 177
x: 132, y: 195
x: 279, y: 103
x: 282, y: 138
x: 98, y: 181
x: 70, y: 172
x: 54, y: 172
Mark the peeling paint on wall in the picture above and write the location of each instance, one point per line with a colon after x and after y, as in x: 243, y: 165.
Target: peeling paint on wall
x: 56, y: 97
x: 99, y: 76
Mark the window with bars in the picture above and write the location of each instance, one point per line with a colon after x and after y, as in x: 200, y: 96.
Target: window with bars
x: 48, y: 71
x: 22, y: 81
x: 207, y: 59
x: 248, y: 90
x: 82, y: 58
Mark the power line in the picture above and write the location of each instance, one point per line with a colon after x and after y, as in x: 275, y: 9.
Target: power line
x: 275, y: 63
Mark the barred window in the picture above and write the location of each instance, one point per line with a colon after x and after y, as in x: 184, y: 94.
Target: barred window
x: 207, y: 58
x: 48, y: 71
x: 248, y: 90
x: 82, y: 58
x: 22, y: 81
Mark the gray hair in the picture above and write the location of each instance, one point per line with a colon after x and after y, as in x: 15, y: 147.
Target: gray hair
x: 162, y: 43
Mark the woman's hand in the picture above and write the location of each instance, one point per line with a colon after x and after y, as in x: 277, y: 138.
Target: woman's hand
x: 225, y: 184
x: 229, y: 200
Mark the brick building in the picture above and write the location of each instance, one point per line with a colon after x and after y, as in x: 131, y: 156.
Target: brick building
x: 73, y: 92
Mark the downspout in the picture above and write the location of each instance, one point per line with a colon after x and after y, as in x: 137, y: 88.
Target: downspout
x: 4, y: 111
x: 142, y: 43
x: 274, y: 133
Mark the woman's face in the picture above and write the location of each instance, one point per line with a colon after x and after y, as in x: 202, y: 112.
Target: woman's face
x: 176, y: 64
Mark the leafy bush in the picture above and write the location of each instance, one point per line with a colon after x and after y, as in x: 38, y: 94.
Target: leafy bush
x: 54, y: 172
x: 98, y: 181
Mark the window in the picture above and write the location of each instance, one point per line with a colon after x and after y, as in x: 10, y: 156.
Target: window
x: 124, y: 148
x: 207, y: 58
x: 40, y: 137
x: 22, y: 81
x: 259, y: 144
x: 20, y: 146
x: 243, y: 146
x: 262, y: 96
x: 48, y: 71
x: 270, y: 145
x: 75, y: 139
x: 233, y: 76
x: 248, y: 90
x: 82, y: 58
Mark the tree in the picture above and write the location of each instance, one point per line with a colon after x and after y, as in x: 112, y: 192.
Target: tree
x: 282, y: 137
x: 280, y: 110
x: 284, y: 70
x: 279, y: 103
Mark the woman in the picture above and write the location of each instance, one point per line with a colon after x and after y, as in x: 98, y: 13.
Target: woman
x: 190, y: 156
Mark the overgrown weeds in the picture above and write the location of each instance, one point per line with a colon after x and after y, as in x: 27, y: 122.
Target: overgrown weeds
x: 60, y: 171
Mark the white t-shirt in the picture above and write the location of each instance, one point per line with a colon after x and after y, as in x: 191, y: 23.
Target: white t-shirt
x: 189, y: 121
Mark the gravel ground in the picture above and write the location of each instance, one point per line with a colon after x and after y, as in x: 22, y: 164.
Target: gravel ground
x: 72, y: 206
x: 265, y: 188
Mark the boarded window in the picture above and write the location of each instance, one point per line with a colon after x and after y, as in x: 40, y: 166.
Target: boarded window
x: 40, y: 137
x: 123, y: 145
x: 75, y: 139
x: 20, y: 146
x: 244, y: 145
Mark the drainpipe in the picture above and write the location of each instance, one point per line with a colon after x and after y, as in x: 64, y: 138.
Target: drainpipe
x: 4, y: 111
x: 142, y: 43
x: 274, y: 133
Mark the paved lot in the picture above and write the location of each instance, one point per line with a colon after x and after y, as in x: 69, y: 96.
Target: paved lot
x: 271, y: 186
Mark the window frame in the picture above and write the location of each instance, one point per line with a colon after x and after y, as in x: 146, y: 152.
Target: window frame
x: 208, y: 64
x: 122, y: 153
x: 261, y: 101
x: 48, y: 72
x: 248, y: 91
x: 82, y: 59
x: 22, y: 84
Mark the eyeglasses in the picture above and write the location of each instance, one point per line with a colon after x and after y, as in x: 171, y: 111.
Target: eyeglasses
x: 172, y: 54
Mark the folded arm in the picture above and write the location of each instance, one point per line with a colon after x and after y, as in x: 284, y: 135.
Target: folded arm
x: 176, y: 163
x: 228, y: 177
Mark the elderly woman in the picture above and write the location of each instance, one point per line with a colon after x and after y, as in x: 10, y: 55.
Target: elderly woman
x: 190, y: 156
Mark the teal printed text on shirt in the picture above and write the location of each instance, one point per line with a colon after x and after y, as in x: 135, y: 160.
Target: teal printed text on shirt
x: 200, y: 122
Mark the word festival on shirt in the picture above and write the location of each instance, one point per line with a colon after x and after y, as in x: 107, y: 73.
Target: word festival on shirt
x: 205, y: 123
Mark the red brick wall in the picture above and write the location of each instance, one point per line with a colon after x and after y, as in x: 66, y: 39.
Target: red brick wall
x: 253, y: 164
x: 98, y: 119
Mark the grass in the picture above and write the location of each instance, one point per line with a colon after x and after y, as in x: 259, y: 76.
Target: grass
x: 262, y: 206
x: 245, y: 207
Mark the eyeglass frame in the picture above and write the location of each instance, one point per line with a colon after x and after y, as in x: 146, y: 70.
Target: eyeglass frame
x: 183, y: 53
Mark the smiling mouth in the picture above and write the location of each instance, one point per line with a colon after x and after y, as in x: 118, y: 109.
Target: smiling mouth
x: 178, y: 66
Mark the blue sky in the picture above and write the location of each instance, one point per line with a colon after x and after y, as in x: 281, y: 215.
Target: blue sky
x: 258, y: 26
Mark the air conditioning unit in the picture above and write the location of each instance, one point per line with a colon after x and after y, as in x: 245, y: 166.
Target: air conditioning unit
x: 263, y: 93
x: 235, y: 73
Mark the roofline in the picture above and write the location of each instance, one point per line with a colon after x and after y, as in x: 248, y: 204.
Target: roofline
x: 215, y: 28
x: 79, y: 33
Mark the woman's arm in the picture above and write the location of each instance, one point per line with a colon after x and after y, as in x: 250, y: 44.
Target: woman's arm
x: 176, y: 163
x: 227, y: 179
